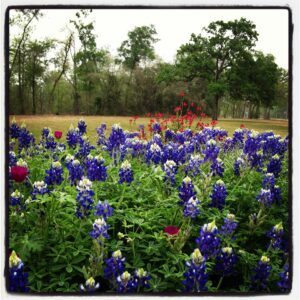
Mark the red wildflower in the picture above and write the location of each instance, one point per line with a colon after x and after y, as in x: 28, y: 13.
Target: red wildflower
x: 198, y: 108
x: 213, y: 123
x: 192, y: 104
x: 181, y: 94
x: 177, y: 108
x: 58, y: 134
x: 148, y: 114
x: 184, y: 104
x: 242, y: 126
x: 171, y: 230
x: 203, y: 115
x: 18, y: 173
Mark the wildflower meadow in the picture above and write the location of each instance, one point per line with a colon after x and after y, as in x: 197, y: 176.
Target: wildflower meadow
x: 176, y: 206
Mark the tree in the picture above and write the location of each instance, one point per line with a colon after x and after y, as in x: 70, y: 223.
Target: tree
x: 139, y: 46
x: 209, y: 56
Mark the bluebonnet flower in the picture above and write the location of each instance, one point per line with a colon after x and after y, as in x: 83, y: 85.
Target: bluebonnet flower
x: 25, y: 138
x: 169, y: 135
x: 269, y: 181
x: 61, y: 147
x: 45, y: 132
x: 96, y: 170
x: 275, y: 165
x: 116, y: 138
x: 191, y: 209
x: 194, y: 164
x: 85, y: 147
x: 196, y: 275
x: 256, y: 160
x: 218, y: 195
x: 99, y: 230
x: 276, y: 194
x: 15, y: 198
x: 179, y: 137
x: 115, y: 266
x: 104, y: 210
x: 84, y: 198
x: 226, y: 261
x: 156, y: 127
x: 211, y: 151
x: 154, y: 154
x: 186, y: 190
x: 252, y: 143
x: 156, y: 140
x: 208, y: 242
x: 170, y: 169
x: 126, y: 173
x: 217, y: 167
x: 228, y: 144
x: 18, y: 279
x: 262, y: 272
x: 75, y: 171
x: 101, y: 135
x: 39, y: 188
x: 72, y: 137
x: 142, y: 278
x: 12, y: 158
x: 54, y: 174
x: 229, y: 226
x: 276, y: 235
x: 265, y: 197
x: 239, y: 164
x: 125, y: 283
x: 284, y: 282
x: 170, y: 152
x: 68, y: 160
x: 81, y: 126
x: 90, y: 285
x: 14, y: 129
x: 238, y: 137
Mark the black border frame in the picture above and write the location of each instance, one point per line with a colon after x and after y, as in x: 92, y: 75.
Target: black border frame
x: 124, y: 7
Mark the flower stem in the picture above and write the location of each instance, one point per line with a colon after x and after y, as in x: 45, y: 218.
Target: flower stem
x: 220, y: 282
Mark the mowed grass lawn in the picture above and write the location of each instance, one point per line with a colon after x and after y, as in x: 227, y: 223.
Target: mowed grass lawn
x: 36, y: 123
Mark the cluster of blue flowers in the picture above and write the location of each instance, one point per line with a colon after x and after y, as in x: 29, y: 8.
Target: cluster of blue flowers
x: 126, y: 173
x: 96, y: 170
x: 230, y: 225
x: 84, y: 198
x: 262, y: 272
x: 276, y: 235
x: 191, y: 208
x: 75, y: 170
x: 186, y: 190
x: 226, y: 262
x: 39, y: 188
x: 218, y: 195
x: 54, y: 174
x: 18, y: 279
x: 170, y: 169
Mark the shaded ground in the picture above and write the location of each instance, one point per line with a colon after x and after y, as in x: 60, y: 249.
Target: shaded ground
x: 36, y: 123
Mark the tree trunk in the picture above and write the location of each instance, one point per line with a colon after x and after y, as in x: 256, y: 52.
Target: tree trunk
x: 215, y: 108
x: 20, y: 88
x: 33, y: 88
x: 257, y: 113
x: 76, y: 103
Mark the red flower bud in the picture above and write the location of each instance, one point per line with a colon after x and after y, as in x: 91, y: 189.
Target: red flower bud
x: 171, y: 230
x: 58, y: 134
x: 18, y: 173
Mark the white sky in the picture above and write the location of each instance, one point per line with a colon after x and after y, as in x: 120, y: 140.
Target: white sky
x: 174, y: 27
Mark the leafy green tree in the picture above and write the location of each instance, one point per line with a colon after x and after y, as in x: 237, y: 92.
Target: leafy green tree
x: 208, y: 56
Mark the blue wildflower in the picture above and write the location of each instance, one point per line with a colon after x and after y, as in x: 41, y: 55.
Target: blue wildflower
x: 54, y: 174
x: 101, y: 135
x: 81, y: 126
x: 90, y: 285
x: 191, y: 208
x: 276, y: 194
x: 208, y: 242
x: 96, y: 170
x: 156, y: 128
x: 169, y: 135
x: 84, y: 198
x: 72, y: 137
x: 239, y: 165
x: 276, y: 235
x: 218, y: 195
x: 75, y: 171
x: 211, y: 151
x: 275, y: 165
x: 194, y: 164
x: 229, y: 226
x: 14, y: 129
x: 284, y: 282
x: 18, y: 279
x: 25, y: 138
x: 142, y: 278
x: 154, y: 154
x: 217, y: 167
x: 265, y: 197
x: 99, y: 230
x: 15, y: 198
x: 238, y: 138
x: 115, y: 266
x: 12, y: 158
x: 125, y: 283
x: 262, y: 272
x: 269, y: 181
x: 104, y: 210
x: 196, y: 275
x: 115, y: 140
x: 39, y: 188
x: 170, y: 170
x: 45, y: 132
x: 256, y: 160
x: 226, y: 261
x: 186, y: 190
x: 126, y: 173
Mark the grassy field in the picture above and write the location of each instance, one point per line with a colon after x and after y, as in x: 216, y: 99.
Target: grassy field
x: 62, y: 123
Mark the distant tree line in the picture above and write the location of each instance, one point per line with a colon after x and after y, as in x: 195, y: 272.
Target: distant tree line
x: 217, y: 69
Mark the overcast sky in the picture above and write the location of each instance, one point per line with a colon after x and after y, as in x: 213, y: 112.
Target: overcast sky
x: 174, y: 27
